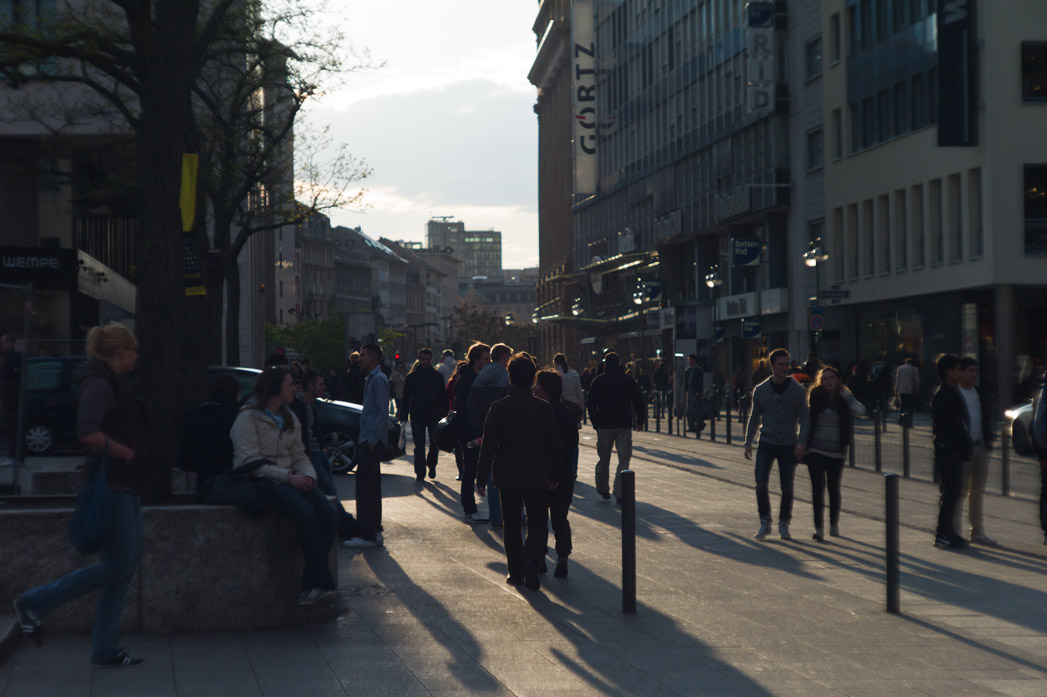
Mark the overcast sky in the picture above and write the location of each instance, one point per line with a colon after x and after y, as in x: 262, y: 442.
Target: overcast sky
x: 447, y: 125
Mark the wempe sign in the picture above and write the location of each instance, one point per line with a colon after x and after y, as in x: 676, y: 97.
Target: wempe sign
x: 46, y: 269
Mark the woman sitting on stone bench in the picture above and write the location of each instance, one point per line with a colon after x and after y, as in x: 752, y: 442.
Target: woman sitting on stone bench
x: 267, y: 430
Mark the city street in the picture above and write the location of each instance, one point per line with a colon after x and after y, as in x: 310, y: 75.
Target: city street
x: 718, y: 612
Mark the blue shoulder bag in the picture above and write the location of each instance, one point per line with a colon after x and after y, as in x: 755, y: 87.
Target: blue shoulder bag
x: 90, y: 522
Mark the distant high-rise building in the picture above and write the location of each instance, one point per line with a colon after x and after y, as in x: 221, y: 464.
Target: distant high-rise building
x: 480, y: 251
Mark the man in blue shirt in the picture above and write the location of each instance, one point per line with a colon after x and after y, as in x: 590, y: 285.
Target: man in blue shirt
x: 374, y: 426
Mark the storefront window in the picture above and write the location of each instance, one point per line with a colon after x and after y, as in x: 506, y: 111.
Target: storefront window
x: 1034, y: 71
x: 1036, y: 209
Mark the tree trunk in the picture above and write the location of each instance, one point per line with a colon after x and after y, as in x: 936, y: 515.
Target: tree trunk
x: 167, y: 366
x: 232, y: 314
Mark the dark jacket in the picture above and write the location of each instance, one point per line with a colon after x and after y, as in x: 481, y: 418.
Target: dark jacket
x: 462, y: 387
x: 988, y: 427
x: 424, y: 396
x: 952, y: 435
x: 819, y: 402
x: 353, y: 389
x: 207, y: 448
x: 568, y: 425
x: 491, y: 384
x: 521, y: 443
x: 661, y: 378
x: 125, y: 422
x: 610, y: 397
x: 300, y: 410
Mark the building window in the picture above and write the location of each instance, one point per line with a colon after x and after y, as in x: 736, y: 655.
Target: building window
x: 974, y: 211
x: 853, y: 250
x: 834, y: 37
x: 919, y: 246
x: 883, y: 116
x: 869, y: 236
x: 1036, y: 209
x: 901, y: 14
x: 837, y: 134
x: 815, y: 150
x: 853, y: 39
x: 955, y: 216
x: 868, y: 123
x: 937, y: 224
x: 900, y: 109
x: 837, y: 257
x: 883, y: 232
x: 900, y: 242
x: 856, y: 129
x: 1034, y: 71
x: 918, y: 103
x: 813, y: 58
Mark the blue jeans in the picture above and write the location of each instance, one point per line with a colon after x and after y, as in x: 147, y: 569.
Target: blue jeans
x: 317, y: 522
x: 111, y: 576
x: 325, y: 483
x: 766, y: 454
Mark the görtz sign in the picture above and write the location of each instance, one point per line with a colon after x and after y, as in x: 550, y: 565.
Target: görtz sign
x: 45, y: 268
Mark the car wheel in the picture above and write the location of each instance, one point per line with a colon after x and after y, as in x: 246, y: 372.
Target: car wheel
x: 1020, y: 438
x: 340, y: 446
x: 40, y: 439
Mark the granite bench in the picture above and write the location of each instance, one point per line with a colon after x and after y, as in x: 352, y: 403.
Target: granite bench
x: 203, y: 568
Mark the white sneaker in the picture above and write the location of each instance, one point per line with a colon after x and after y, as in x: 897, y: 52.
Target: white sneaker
x: 316, y: 596
x: 764, y: 531
x: 359, y: 543
x: 783, y: 531
x: 834, y: 530
x: 982, y: 539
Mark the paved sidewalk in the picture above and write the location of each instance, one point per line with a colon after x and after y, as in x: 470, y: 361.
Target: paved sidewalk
x: 719, y: 613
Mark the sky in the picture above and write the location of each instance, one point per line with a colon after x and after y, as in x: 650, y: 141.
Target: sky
x: 447, y: 125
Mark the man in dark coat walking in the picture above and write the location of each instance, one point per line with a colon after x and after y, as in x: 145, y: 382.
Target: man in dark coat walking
x: 952, y: 446
x: 613, y: 397
x: 522, y: 450
x: 425, y: 402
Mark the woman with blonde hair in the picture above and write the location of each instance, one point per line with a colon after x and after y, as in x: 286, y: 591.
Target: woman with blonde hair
x: 833, y: 409
x: 111, y: 418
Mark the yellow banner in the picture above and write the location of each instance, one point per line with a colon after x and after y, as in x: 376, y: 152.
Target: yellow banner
x: 187, y: 197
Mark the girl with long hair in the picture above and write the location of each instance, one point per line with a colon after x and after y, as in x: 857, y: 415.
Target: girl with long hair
x: 833, y: 409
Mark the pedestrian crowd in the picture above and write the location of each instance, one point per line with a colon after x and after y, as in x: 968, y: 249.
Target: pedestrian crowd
x: 513, y: 426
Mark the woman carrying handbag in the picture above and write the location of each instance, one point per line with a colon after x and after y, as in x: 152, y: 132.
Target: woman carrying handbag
x: 109, y: 418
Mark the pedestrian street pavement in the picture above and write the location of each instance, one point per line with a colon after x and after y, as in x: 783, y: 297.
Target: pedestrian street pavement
x: 719, y: 613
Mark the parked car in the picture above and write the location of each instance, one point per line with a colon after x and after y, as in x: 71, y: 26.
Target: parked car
x: 1021, y: 428
x: 337, y: 423
x: 50, y: 403
x: 50, y: 416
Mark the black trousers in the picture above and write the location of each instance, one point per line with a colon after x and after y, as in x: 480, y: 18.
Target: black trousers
x: 470, y: 459
x: 369, y: 490
x: 825, y: 470
x: 559, y: 504
x: 419, y: 428
x: 514, y: 501
x: 950, y: 475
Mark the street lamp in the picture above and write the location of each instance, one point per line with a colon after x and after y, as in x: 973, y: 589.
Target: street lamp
x: 641, y: 294
x: 814, y: 257
x: 508, y: 319
x: 712, y: 279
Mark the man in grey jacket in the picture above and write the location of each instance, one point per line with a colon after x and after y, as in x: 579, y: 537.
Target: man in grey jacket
x: 779, y: 402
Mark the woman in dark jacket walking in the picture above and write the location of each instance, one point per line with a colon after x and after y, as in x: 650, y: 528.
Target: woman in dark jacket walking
x: 832, y: 408
x: 521, y: 445
x: 109, y: 417
x: 549, y: 386
x: 478, y: 356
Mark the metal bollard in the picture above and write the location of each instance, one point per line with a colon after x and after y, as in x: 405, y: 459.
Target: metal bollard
x: 905, y: 444
x: 727, y: 436
x: 877, y: 447
x: 628, y: 485
x: 874, y: 416
x: 712, y: 430
x: 883, y: 421
x: 658, y: 411
x: 892, y: 547
x: 1005, y: 461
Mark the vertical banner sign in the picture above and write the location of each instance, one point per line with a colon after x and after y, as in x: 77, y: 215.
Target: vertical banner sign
x: 583, y: 96
x: 957, y: 73
x: 759, y: 16
x: 187, y: 203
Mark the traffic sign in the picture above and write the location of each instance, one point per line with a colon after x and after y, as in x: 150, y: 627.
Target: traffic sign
x: 817, y: 323
x: 836, y: 293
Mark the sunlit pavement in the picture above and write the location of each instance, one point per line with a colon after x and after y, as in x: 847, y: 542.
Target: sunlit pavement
x: 718, y: 612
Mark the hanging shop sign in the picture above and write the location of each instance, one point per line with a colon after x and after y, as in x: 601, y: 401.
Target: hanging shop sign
x: 760, y: 86
x: 45, y: 268
x: 583, y: 95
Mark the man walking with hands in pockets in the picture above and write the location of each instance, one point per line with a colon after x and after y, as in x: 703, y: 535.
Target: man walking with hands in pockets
x: 778, y: 404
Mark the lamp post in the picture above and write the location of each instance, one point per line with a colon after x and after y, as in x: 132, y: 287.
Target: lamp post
x: 713, y: 280
x: 576, y: 311
x: 814, y: 257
